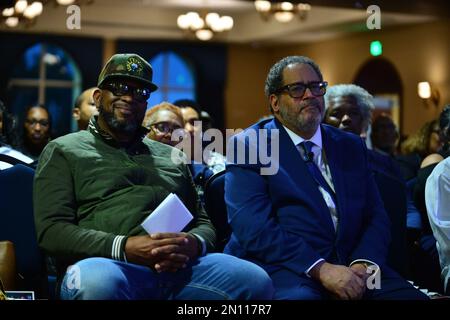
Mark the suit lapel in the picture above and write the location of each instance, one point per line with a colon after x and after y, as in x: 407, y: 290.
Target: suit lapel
x: 292, y: 163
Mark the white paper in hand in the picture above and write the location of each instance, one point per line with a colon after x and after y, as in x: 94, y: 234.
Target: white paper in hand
x: 170, y: 216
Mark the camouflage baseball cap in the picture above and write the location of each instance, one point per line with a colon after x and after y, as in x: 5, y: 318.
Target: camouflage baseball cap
x: 128, y: 65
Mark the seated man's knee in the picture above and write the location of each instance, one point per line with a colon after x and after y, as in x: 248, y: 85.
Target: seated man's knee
x: 247, y: 280
x: 93, y: 279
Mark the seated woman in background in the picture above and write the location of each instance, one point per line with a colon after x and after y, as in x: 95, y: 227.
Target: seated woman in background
x: 417, y: 147
x: 162, y: 120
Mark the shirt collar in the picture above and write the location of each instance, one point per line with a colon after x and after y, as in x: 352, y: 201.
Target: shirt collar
x: 296, y: 139
x: 135, y: 147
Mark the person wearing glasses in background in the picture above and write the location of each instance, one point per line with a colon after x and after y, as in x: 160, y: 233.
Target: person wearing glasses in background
x: 161, y: 121
x: 36, y: 131
x: 317, y: 225
x: 94, y: 188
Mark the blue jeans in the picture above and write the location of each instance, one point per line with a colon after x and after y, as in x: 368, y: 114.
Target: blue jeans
x: 215, y: 276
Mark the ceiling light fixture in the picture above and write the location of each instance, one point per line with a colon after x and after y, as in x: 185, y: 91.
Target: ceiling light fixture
x: 282, y: 11
x: 25, y: 12
x: 206, y: 25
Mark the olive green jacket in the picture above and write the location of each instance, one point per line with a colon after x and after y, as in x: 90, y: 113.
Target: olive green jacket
x: 90, y: 194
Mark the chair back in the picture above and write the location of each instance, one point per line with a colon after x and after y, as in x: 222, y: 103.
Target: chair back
x: 17, y: 225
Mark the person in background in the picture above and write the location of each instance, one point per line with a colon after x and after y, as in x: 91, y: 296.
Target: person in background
x: 8, y: 128
x: 192, y: 112
x: 84, y: 108
x: 349, y: 108
x: 437, y: 198
x: 384, y: 135
x: 8, y: 135
x: 94, y: 188
x: 426, y: 268
x: 444, y: 139
x: 161, y: 121
x: 202, y: 165
x: 36, y: 131
x: 417, y: 147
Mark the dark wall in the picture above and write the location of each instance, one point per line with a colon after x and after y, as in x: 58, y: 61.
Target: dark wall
x: 210, y: 63
x: 87, y: 53
x: 209, y: 60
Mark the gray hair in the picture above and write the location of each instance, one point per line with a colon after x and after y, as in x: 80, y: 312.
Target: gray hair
x: 364, y: 99
x: 274, y: 78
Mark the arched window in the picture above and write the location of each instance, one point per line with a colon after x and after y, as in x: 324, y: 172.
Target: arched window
x: 174, y: 77
x: 47, y: 75
x: 380, y: 77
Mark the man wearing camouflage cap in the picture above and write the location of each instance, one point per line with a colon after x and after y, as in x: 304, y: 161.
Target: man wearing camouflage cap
x: 94, y: 188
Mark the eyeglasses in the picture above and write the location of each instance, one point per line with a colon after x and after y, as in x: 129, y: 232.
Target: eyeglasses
x: 34, y: 122
x: 121, y: 89
x: 298, y: 89
x: 165, y: 127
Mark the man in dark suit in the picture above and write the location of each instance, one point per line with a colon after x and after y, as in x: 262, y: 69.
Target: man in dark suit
x: 317, y: 224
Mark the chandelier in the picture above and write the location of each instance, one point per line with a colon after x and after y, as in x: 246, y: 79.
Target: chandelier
x: 282, y: 11
x: 25, y: 12
x: 206, y: 25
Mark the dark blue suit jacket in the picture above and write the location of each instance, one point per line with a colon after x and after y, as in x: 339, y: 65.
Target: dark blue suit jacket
x: 282, y: 221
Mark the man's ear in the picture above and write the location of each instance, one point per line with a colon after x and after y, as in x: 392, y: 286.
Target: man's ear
x: 274, y: 103
x: 76, y: 113
x: 97, y: 96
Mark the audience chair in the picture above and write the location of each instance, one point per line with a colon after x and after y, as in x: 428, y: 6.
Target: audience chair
x: 216, y: 208
x: 17, y: 226
x: 8, y: 269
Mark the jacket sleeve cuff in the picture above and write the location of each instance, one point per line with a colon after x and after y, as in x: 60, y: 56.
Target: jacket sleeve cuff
x: 312, y: 266
x: 118, y: 248
x: 202, y: 242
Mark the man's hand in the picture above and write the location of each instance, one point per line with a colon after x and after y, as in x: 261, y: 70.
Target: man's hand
x: 141, y: 250
x: 341, y: 281
x: 170, y: 252
x: 361, y: 271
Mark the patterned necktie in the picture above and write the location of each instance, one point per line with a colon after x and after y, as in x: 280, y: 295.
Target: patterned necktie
x: 308, y: 157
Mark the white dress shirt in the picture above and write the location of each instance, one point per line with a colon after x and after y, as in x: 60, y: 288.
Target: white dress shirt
x: 437, y: 199
x: 319, y: 160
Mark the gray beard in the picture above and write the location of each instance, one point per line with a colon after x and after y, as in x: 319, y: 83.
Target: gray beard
x: 114, y: 124
x: 299, y: 123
